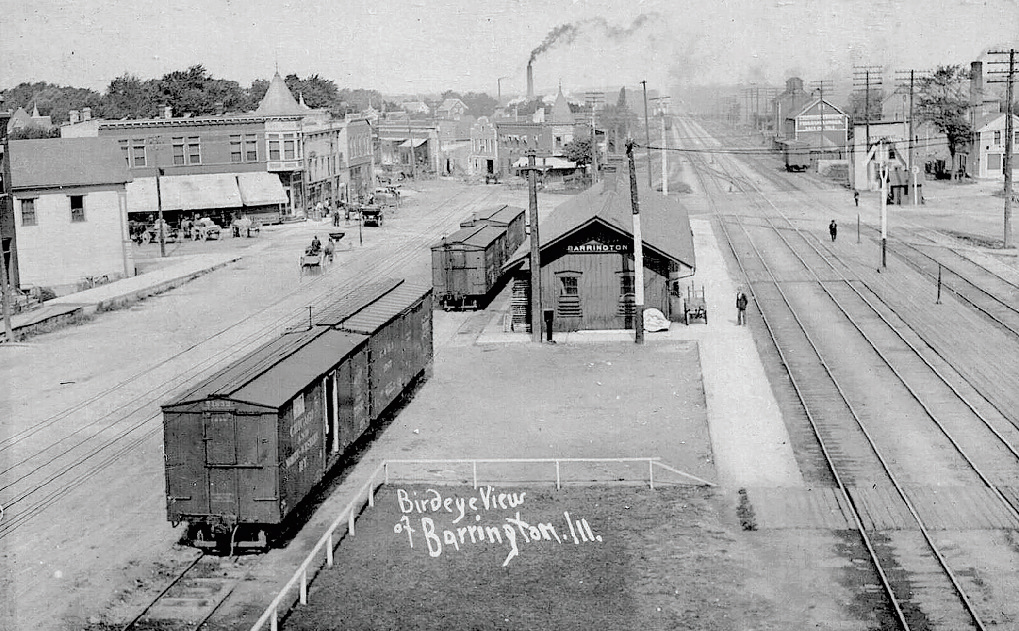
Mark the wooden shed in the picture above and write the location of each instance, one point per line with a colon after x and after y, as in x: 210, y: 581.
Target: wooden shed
x: 587, y: 261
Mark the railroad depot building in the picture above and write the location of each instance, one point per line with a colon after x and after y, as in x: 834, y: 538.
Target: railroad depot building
x: 587, y: 258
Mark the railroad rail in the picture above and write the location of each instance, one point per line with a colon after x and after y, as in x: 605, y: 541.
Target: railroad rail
x: 803, y: 391
x: 34, y: 482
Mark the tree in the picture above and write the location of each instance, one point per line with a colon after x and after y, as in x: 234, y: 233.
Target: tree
x: 52, y: 100
x: 579, y: 150
x: 34, y: 132
x: 186, y: 91
x: 944, y: 101
x: 479, y: 103
x: 317, y: 92
x: 858, y: 105
x: 127, y: 96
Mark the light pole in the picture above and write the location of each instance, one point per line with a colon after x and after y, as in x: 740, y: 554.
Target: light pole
x: 884, y: 206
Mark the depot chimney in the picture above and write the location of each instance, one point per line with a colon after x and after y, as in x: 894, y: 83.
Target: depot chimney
x: 530, y: 81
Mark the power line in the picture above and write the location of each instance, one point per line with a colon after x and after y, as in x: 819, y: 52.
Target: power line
x: 1009, y: 81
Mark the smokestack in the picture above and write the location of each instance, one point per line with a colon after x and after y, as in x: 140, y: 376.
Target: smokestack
x: 976, y: 83
x: 530, y: 81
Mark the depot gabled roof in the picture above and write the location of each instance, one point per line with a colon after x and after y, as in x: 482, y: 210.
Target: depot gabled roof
x: 665, y: 224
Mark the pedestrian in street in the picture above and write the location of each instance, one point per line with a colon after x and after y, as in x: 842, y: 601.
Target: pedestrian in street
x: 741, y: 308
x: 330, y: 249
x: 833, y: 230
x: 856, y: 197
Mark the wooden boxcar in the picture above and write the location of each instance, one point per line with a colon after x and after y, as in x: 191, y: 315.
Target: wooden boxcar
x: 246, y: 446
x: 512, y: 218
x: 397, y: 318
x: 466, y: 266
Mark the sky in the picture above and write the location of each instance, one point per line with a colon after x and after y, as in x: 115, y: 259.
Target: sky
x: 404, y: 47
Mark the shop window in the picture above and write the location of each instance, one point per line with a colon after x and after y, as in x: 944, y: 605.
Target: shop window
x: 178, y: 150
x: 194, y: 152
x: 28, y: 217
x: 250, y: 148
x: 138, y: 152
x: 236, y: 151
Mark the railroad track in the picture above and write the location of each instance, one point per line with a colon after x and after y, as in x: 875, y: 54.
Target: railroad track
x: 188, y: 601
x: 793, y: 324
x: 35, y: 482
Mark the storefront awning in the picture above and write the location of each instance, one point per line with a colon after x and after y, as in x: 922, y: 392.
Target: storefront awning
x: 200, y: 192
x: 141, y: 195
x: 260, y: 189
x: 551, y: 162
x: 417, y: 142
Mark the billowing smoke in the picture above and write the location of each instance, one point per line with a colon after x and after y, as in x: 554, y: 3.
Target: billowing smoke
x: 567, y: 33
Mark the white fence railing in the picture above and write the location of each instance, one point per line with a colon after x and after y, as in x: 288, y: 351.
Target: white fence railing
x: 366, y: 495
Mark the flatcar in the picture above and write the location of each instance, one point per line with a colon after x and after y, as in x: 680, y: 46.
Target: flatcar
x: 246, y: 446
x: 467, y: 265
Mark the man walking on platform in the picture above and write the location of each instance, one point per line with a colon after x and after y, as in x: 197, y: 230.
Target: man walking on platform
x: 833, y: 230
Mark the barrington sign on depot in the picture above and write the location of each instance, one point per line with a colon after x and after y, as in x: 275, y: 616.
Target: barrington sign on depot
x: 452, y: 522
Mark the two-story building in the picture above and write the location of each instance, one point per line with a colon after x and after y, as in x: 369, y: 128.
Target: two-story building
x: 547, y: 137
x: 70, y: 212
x: 340, y: 161
x: 484, y: 154
x: 451, y: 109
x: 987, y: 156
x: 412, y: 147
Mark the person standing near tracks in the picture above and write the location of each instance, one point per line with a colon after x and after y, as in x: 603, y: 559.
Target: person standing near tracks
x: 741, y: 308
x: 856, y: 197
x: 833, y: 230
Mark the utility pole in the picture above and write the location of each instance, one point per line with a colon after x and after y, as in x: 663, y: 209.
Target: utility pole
x: 819, y: 87
x: 913, y: 168
x: 638, y: 252
x: 663, y: 103
x: 883, y: 164
x: 1009, y: 81
x: 159, y: 208
x: 594, y: 98
x: 7, y: 210
x: 535, y: 261
x: 864, y: 74
x: 647, y: 134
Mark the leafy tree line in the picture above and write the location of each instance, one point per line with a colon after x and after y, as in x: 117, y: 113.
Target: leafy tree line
x: 190, y: 91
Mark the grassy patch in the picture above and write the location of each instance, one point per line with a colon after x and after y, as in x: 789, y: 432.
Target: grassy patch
x: 664, y: 561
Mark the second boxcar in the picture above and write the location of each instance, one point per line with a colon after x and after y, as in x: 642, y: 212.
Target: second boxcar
x: 466, y: 266
x: 511, y: 218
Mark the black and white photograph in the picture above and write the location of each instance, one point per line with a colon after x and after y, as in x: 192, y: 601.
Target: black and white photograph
x: 509, y: 315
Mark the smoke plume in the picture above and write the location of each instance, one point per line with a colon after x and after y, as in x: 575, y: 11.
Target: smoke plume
x: 565, y: 34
